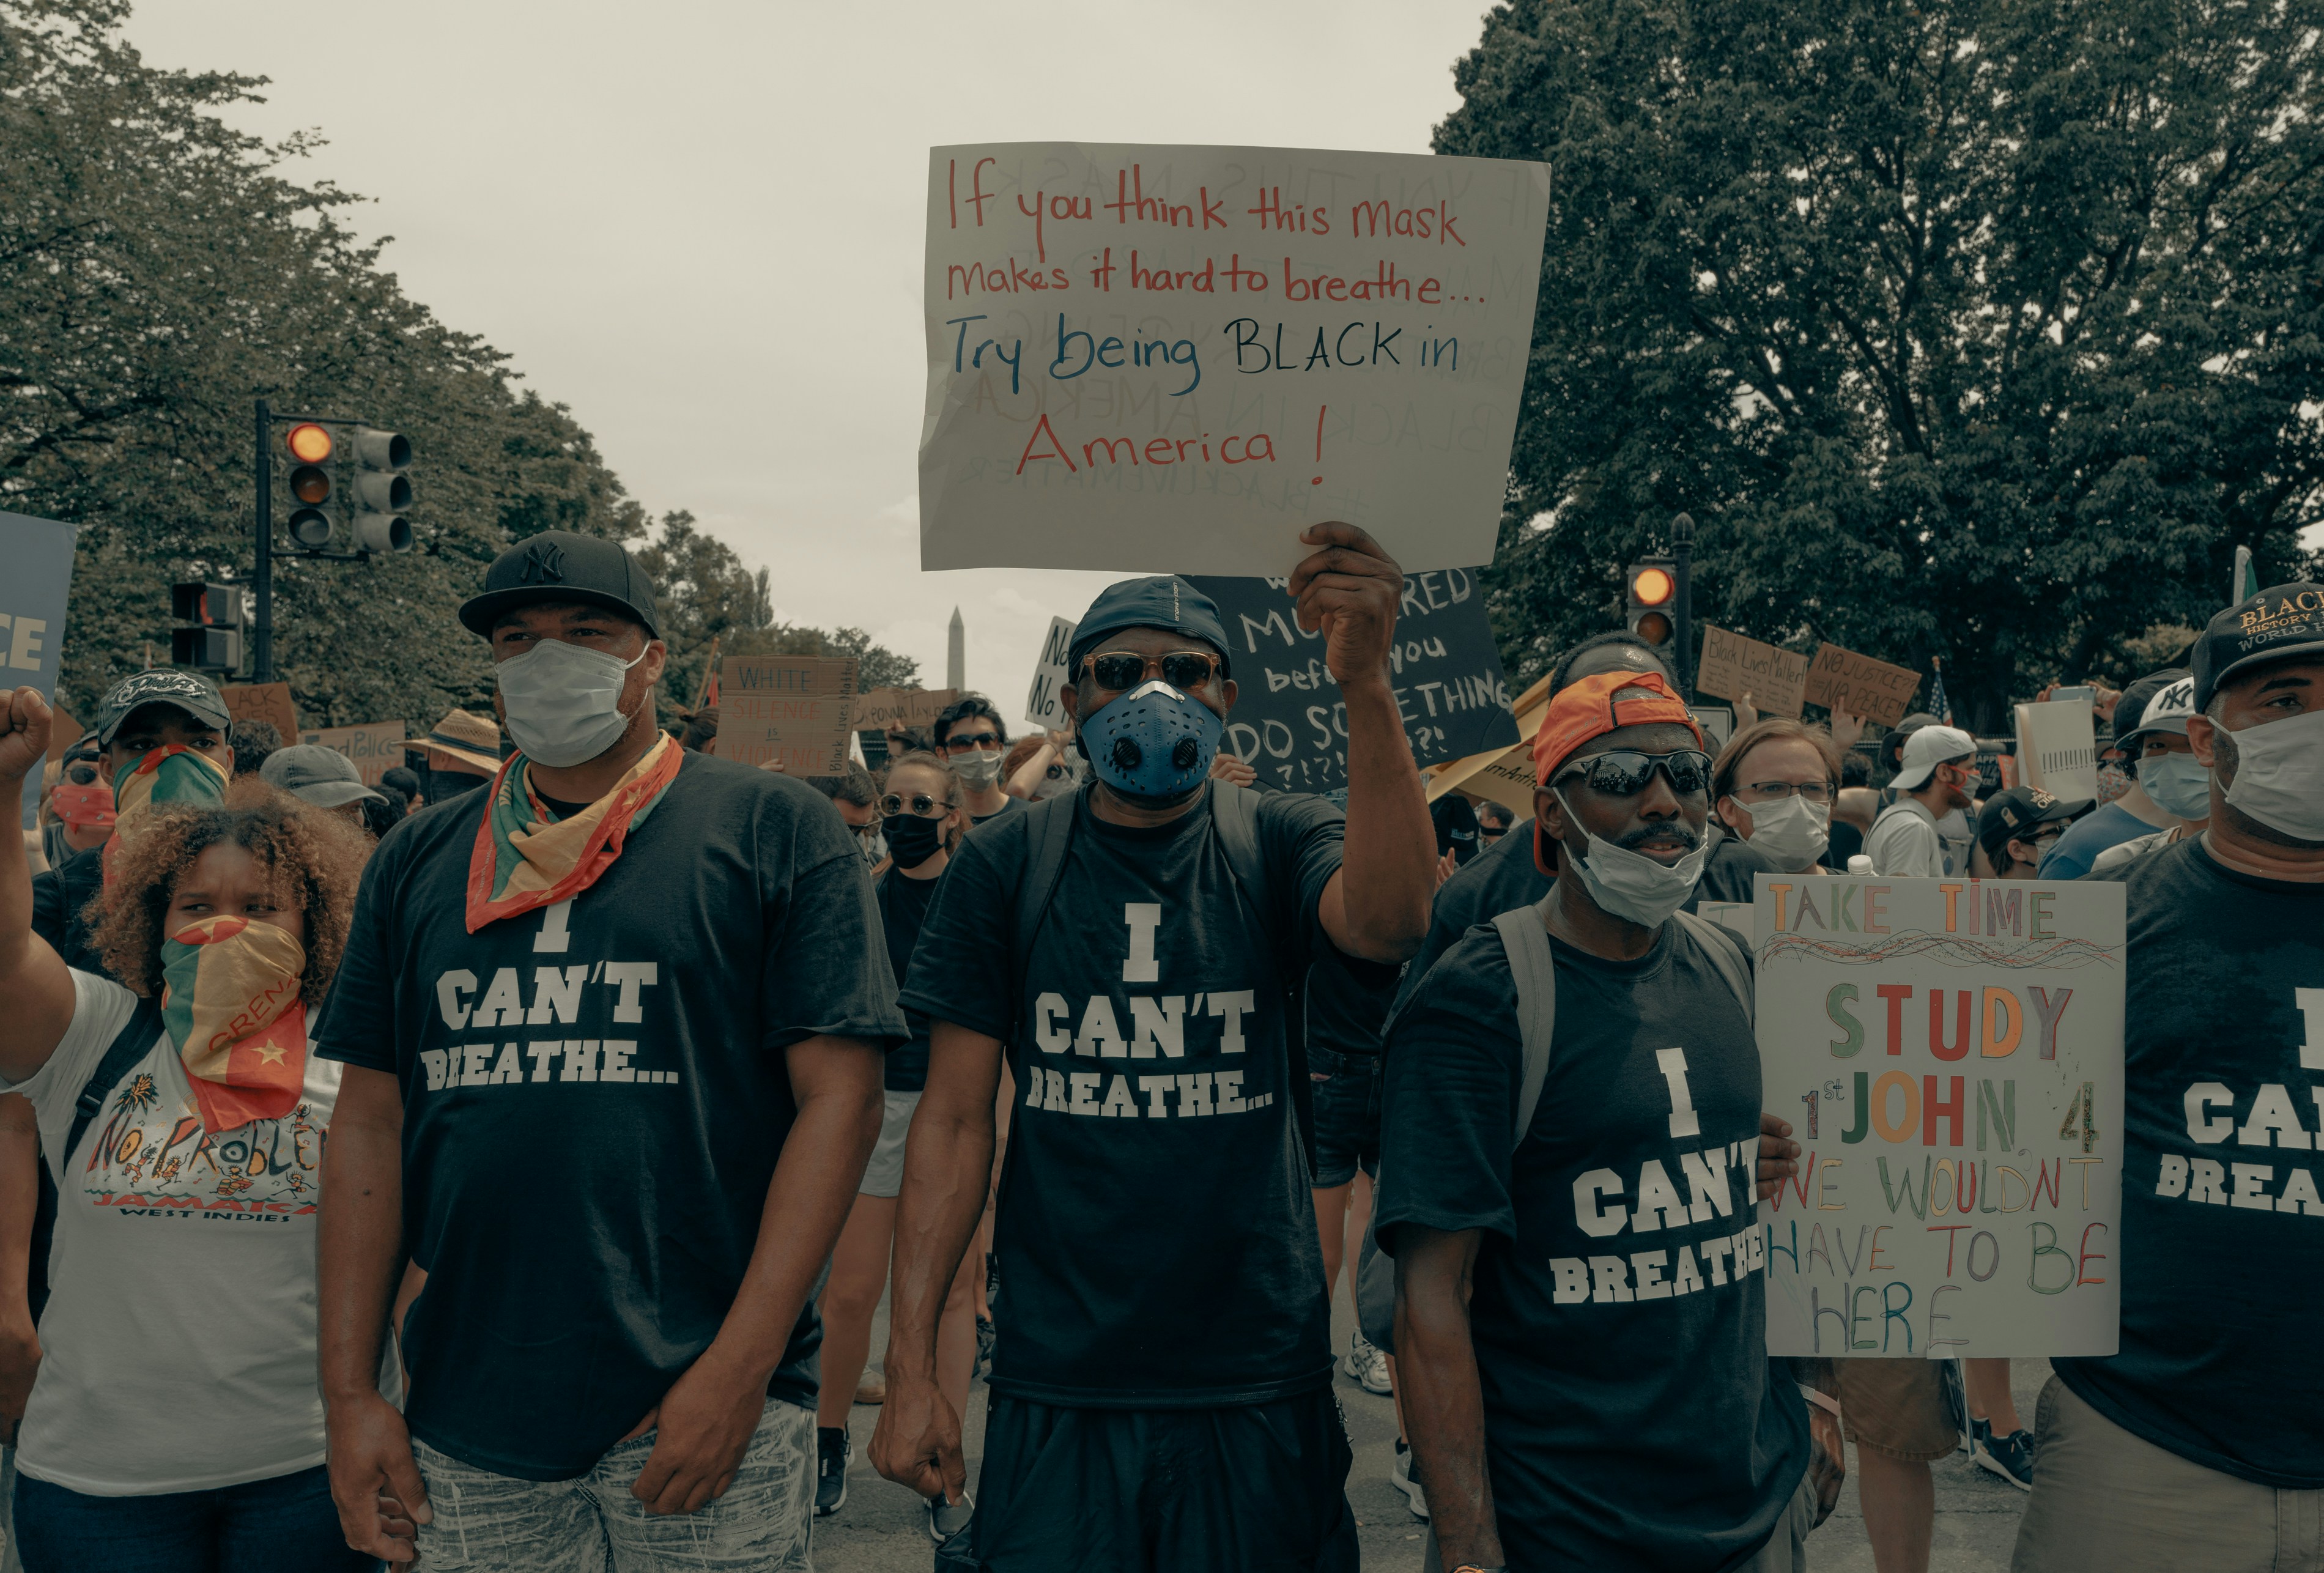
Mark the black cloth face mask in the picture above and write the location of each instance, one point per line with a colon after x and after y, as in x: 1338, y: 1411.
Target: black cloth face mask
x: 911, y: 838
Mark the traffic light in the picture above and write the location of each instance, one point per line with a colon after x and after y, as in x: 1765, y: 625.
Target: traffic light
x: 1650, y: 598
x: 382, y: 491
x: 214, y: 641
x: 310, y: 484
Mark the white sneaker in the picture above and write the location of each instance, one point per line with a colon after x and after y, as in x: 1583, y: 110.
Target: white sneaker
x: 1366, y: 1363
x: 1400, y: 1477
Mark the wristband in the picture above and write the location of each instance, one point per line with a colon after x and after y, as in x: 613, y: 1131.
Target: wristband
x: 1823, y: 1401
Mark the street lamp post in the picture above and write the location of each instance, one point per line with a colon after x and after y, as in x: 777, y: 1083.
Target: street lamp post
x: 1682, y: 610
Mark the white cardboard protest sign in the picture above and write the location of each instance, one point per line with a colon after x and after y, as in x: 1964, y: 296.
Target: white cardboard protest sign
x: 373, y: 750
x: 1175, y: 358
x: 39, y: 552
x: 2057, y: 749
x: 1948, y: 1054
x: 1043, y: 708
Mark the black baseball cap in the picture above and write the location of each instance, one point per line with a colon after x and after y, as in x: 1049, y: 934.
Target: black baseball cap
x: 2280, y: 621
x: 194, y: 695
x: 1164, y: 601
x: 557, y: 565
x: 2013, y: 814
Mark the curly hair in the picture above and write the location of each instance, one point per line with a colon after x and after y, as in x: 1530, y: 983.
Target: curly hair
x: 317, y: 857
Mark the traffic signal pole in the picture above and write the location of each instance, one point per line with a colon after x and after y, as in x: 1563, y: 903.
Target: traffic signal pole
x: 1682, y: 608
x: 262, y: 577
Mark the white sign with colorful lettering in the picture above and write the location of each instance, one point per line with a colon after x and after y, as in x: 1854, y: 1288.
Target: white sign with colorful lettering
x: 1948, y: 1054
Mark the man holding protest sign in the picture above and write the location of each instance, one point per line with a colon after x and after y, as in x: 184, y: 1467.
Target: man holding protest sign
x: 619, y: 1232
x: 2201, y: 1443
x: 1569, y: 1399
x: 1161, y: 1387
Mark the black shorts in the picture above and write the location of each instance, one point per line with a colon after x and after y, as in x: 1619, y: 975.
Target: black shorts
x: 1347, y: 1094
x: 1261, y: 1487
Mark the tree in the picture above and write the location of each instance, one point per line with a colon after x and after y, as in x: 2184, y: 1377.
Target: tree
x: 1984, y: 331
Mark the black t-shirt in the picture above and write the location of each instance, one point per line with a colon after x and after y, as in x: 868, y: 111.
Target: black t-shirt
x: 1846, y: 842
x: 1347, y: 1000
x: 61, y: 898
x: 1500, y: 878
x: 1010, y: 804
x: 1727, y: 872
x: 1156, y: 1237
x: 903, y: 908
x: 1632, y: 1417
x: 586, y: 1207
x: 2222, y: 1249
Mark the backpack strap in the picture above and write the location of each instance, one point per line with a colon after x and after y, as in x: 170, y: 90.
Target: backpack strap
x: 129, y: 1045
x: 1525, y: 936
x: 1049, y: 831
x: 1726, y: 954
x: 1235, y: 823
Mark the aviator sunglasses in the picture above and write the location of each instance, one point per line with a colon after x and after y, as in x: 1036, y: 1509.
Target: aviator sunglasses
x: 1185, y: 670
x: 1625, y: 772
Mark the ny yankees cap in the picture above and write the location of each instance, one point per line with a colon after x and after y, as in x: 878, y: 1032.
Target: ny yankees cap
x: 557, y: 565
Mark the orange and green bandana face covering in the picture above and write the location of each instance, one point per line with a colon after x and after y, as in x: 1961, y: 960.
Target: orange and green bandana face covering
x: 230, y: 1001
x: 171, y: 774
x: 525, y: 857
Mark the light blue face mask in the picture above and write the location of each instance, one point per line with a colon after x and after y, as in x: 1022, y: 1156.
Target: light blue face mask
x: 1153, y: 743
x: 2179, y: 787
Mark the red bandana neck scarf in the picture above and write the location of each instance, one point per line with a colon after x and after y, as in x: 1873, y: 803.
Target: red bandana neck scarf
x: 525, y: 858
x: 230, y: 1001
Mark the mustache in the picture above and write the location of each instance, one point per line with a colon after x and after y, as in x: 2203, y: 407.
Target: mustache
x: 1687, y: 839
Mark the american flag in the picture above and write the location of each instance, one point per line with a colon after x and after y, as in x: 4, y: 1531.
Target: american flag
x: 1938, y: 706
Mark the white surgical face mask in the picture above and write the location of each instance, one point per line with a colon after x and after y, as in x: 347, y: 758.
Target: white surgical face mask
x: 976, y: 768
x: 563, y: 701
x: 2179, y: 787
x: 1632, y: 885
x: 2280, y: 775
x: 1791, y: 831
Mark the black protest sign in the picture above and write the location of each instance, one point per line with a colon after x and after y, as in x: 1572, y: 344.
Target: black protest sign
x: 1289, y: 723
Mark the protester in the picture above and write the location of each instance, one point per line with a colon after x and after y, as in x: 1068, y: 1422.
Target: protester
x: 323, y: 776
x: 2016, y: 828
x: 613, y: 1350
x: 701, y: 733
x: 856, y: 796
x: 1161, y: 1391
x: 1934, y: 782
x: 1041, y: 767
x: 970, y: 735
x: 2169, y: 773
x: 255, y: 742
x: 404, y: 784
x: 83, y: 805
x: 459, y: 754
x: 1853, y: 810
x: 1654, y: 1431
x: 1455, y: 818
x: 923, y: 821
x: 2132, y: 813
x: 77, y: 805
x: 174, y: 1420
x: 2201, y: 1444
x: 1347, y: 1001
x: 1493, y: 820
x: 1773, y: 786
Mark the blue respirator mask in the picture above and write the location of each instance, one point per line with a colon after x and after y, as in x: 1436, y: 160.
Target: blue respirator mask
x: 1153, y: 743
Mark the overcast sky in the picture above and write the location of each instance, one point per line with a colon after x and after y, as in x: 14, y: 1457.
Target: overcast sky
x: 699, y: 222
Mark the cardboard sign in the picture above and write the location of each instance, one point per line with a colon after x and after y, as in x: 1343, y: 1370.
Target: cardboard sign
x: 39, y: 552
x: 1734, y: 667
x: 793, y: 711
x: 907, y: 707
x: 1043, y: 708
x: 1718, y: 724
x: 266, y: 701
x: 1288, y: 721
x: 1948, y: 1052
x: 1175, y: 358
x: 63, y: 732
x: 1840, y: 679
x: 2058, y: 748
x: 373, y: 749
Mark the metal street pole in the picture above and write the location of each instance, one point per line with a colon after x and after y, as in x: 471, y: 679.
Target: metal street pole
x: 1681, y: 554
x: 261, y: 630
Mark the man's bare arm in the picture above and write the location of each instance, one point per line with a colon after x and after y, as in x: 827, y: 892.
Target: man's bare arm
x: 1436, y: 1382
x: 20, y: 1200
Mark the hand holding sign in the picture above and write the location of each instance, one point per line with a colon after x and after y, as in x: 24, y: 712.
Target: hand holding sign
x: 1348, y: 591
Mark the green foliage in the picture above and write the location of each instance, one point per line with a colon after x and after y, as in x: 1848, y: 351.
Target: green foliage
x: 1984, y: 331
x: 159, y: 273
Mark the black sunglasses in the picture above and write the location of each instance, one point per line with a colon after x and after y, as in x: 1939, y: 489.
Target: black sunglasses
x: 960, y: 742
x: 926, y: 806
x: 1625, y: 772
x: 1185, y: 670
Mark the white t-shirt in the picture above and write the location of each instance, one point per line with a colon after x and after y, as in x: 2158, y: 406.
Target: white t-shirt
x: 178, y: 1341
x: 1905, y: 844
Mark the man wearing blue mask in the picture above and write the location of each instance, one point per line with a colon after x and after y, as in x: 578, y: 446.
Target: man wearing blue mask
x: 2170, y: 775
x: 2199, y: 1443
x: 1162, y: 1384
x: 612, y: 1029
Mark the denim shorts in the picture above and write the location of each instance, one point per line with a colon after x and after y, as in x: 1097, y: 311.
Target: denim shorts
x: 1347, y: 1094
x: 485, y: 1523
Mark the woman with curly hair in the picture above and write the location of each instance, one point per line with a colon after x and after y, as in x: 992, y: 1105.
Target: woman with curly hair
x: 175, y: 1420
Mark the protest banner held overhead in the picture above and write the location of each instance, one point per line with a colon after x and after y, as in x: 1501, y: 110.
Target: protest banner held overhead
x: 1172, y: 359
x: 1840, y: 679
x: 792, y: 711
x: 2058, y: 748
x: 1774, y: 680
x: 1288, y: 723
x: 39, y: 552
x: 373, y: 749
x: 1949, y: 1054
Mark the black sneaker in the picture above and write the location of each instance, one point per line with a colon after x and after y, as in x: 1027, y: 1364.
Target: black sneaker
x: 2010, y: 1456
x: 833, y: 1446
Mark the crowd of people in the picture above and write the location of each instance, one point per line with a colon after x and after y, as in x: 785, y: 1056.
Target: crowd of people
x: 1107, y: 1068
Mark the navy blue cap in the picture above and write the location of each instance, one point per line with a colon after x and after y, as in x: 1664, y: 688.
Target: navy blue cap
x: 557, y: 565
x: 2281, y: 621
x: 1164, y: 601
